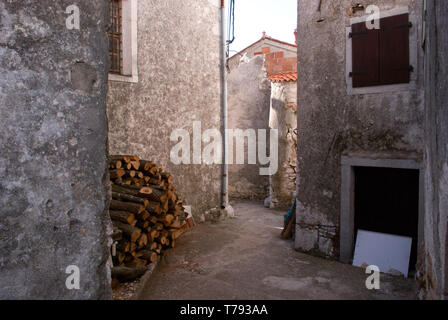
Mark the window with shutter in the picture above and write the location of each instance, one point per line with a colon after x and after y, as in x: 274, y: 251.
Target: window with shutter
x: 365, y: 44
x: 394, y: 50
x: 381, y: 57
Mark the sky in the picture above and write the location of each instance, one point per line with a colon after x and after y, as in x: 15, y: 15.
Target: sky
x: 277, y: 17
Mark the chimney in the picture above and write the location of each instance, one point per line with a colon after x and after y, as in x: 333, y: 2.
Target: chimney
x: 295, y: 34
x: 264, y: 35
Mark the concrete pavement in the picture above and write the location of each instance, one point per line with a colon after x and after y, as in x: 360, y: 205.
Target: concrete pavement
x: 244, y: 259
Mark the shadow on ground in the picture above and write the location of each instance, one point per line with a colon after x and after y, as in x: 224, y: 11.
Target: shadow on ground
x: 245, y: 259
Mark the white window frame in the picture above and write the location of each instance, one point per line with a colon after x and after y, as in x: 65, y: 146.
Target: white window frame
x: 413, y: 55
x: 129, y: 43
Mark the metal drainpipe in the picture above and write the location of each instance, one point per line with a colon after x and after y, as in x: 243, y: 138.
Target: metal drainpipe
x: 225, y: 169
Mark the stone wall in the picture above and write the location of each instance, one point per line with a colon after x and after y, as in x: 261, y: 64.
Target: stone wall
x: 179, y: 72
x: 435, y: 274
x: 248, y: 106
x: 333, y: 123
x: 53, y: 133
x: 283, y: 116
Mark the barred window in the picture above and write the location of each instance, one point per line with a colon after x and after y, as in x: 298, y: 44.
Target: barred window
x: 115, y: 37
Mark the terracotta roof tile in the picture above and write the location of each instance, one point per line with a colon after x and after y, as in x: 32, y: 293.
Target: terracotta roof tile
x: 283, y: 77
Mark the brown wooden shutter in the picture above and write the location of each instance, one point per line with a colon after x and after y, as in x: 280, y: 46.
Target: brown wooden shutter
x: 365, y: 56
x: 394, y: 50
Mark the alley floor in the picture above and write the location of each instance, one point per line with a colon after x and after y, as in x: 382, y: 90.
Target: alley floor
x: 245, y: 259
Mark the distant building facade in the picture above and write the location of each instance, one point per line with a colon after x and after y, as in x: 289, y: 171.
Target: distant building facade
x: 262, y: 95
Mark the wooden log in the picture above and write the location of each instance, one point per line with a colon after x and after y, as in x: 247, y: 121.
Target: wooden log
x: 151, y: 246
x: 161, y: 239
x: 126, y: 189
x: 139, y: 174
x: 172, y: 198
x: 153, y: 220
x: 152, y: 181
x: 150, y: 256
x: 120, y: 257
x: 117, y: 234
x: 165, y: 206
x: 123, y: 216
x: 117, y: 174
x: 165, y: 233
x: 142, y: 192
x: 138, y: 254
x: 169, y: 218
x: 125, y: 158
x: 137, y: 263
x: 145, y: 216
x: 142, y: 241
x: 158, y: 195
x: 133, y: 233
x: 145, y: 165
x: 138, y: 182
x: 167, y: 177
x: 154, y: 208
x: 154, y: 170
x: 118, y: 164
x: 166, y: 219
x: 176, y: 211
x: 153, y: 234
x: 136, y: 164
x: 124, y: 247
x: 129, y: 198
x: 131, y: 173
x: 176, y: 224
x: 127, y: 274
x: 127, y: 206
x: 176, y: 233
x: 143, y: 224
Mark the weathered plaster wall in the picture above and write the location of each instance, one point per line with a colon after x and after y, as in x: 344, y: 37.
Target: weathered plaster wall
x: 179, y: 68
x: 332, y: 123
x: 436, y: 153
x: 248, y: 104
x: 53, y: 132
x: 283, y: 116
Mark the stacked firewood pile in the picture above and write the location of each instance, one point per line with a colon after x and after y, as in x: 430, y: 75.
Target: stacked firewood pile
x: 146, y: 213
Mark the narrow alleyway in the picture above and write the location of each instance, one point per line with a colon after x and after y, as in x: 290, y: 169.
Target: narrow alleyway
x: 244, y: 258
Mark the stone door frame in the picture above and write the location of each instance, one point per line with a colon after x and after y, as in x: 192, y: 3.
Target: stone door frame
x: 347, y: 222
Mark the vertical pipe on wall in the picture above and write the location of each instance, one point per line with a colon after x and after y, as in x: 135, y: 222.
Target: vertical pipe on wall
x: 225, y: 171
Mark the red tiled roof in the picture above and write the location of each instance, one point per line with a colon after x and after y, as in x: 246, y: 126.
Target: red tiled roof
x: 283, y: 77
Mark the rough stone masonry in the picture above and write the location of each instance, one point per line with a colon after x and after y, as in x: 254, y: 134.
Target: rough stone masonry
x: 333, y: 123
x: 53, y: 134
x: 435, y: 273
x: 178, y: 68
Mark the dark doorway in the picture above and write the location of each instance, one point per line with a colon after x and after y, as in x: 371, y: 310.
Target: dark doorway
x: 387, y: 201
